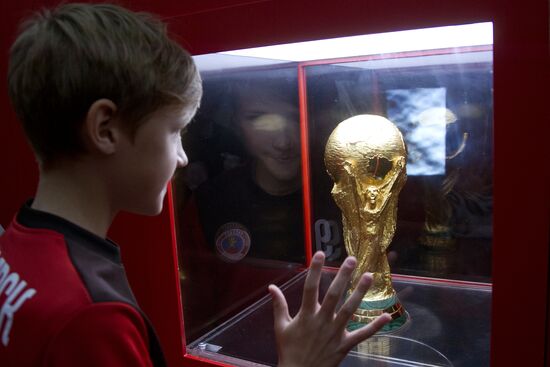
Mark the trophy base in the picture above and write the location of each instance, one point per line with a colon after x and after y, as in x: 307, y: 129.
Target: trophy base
x: 370, y: 310
x: 441, y: 239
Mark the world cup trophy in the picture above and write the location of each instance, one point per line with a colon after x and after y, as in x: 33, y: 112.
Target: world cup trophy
x: 366, y: 157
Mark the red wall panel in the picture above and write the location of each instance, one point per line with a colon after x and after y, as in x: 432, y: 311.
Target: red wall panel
x: 521, y: 176
x: 19, y: 173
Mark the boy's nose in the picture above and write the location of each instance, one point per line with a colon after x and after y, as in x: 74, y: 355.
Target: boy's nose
x: 286, y: 138
x: 282, y: 141
x: 182, y: 157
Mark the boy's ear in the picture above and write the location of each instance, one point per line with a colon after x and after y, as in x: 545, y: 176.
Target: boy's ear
x: 101, y: 130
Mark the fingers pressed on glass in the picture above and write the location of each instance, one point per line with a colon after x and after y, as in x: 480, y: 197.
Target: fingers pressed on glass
x: 280, y: 306
x: 354, y: 300
x: 338, y: 286
x: 310, y: 297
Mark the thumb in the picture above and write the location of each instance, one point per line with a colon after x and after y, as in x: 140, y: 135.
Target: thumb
x: 280, y: 308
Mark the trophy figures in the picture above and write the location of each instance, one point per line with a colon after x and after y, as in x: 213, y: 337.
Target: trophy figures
x: 366, y: 156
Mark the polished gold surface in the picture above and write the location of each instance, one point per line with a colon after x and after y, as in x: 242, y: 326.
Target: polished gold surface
x: 365, y: 156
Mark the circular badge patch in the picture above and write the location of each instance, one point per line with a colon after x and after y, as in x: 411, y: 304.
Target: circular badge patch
x: 232, y: 241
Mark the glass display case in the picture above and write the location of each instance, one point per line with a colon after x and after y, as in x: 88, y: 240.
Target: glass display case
x: 255, y: 201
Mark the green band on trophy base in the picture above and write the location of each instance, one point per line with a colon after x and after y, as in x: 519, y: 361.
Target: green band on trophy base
x: 390, y: 326
x: 369, y: 310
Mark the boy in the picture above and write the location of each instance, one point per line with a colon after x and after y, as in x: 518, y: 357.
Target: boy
x: 103, y: 95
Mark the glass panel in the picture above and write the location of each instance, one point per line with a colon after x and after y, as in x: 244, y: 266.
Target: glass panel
x: 239, y: 201
x: 440, y: 334
x: 441, y: 101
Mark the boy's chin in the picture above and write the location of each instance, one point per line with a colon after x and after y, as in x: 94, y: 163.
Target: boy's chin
x: 149, y: 210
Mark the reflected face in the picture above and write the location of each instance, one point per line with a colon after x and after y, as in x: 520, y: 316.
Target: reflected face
x: 151, y: 159
x: 270, y: 128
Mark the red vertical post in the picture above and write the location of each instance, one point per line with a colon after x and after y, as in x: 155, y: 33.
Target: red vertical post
x: 304, y: 137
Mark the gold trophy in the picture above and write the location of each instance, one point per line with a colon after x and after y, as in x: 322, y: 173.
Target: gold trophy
x: 366, y: 156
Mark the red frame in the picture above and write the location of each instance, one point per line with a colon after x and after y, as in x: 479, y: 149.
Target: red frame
x: 521, y: 115
x: 304, y: 137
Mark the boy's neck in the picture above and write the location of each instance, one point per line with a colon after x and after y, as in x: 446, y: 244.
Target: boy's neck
x: 75, y: 196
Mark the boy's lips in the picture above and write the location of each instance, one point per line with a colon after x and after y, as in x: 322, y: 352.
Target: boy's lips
x: 285, y: 158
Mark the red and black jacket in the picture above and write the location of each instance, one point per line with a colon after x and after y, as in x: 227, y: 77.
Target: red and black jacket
x: 65, y: 299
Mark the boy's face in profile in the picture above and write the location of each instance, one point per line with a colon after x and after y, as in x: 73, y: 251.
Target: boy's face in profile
x: 269, y: 122
x: 149, y: 161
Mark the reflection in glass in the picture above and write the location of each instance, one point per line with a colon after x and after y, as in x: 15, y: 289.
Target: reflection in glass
x: 420, y: 115
x: 241, y: 224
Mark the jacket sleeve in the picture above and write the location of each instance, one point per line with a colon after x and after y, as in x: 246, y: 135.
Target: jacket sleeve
x: 102, y: 334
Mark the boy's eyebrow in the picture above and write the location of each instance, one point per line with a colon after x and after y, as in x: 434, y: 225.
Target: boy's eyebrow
x: 184, y: 121
x: 187, y: 116
x: 253, y: 113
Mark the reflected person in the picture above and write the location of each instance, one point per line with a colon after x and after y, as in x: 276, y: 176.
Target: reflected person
x: 254, y: 210
x: 244, y: 226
